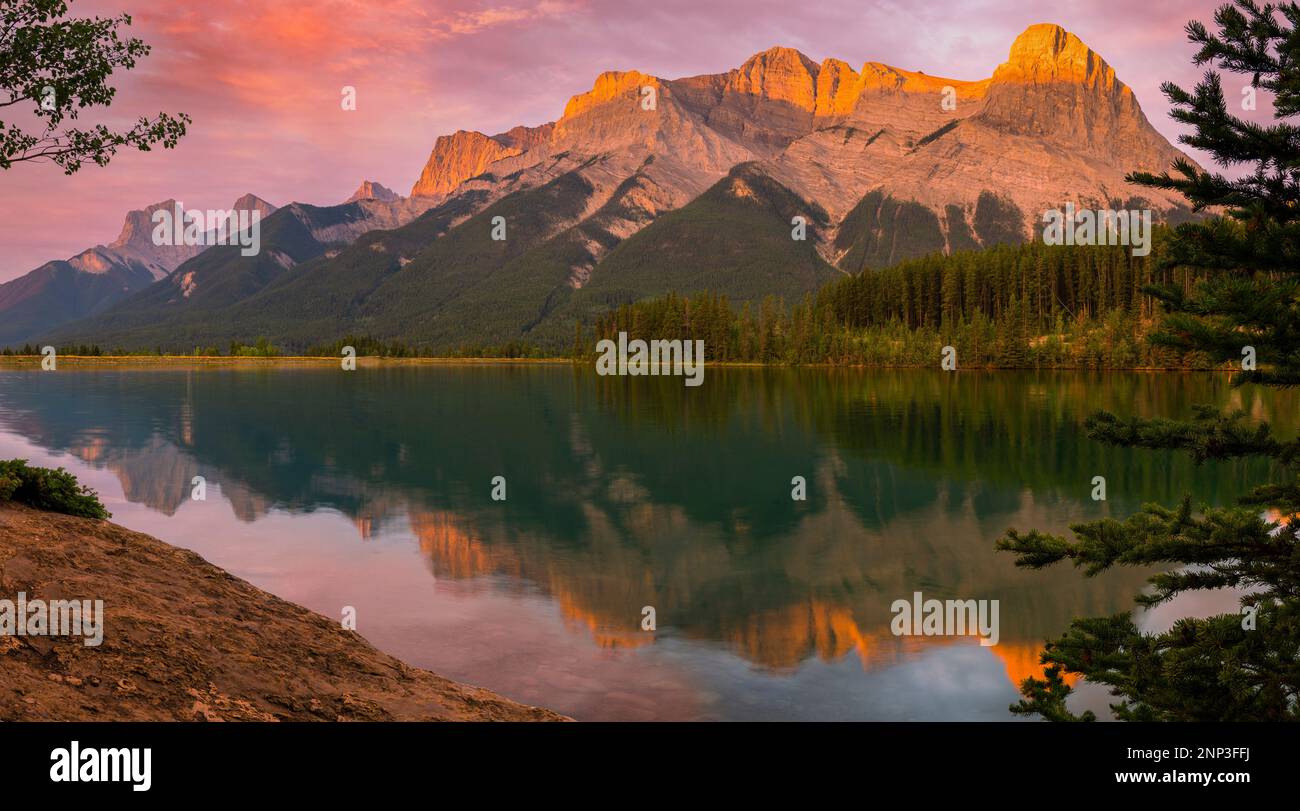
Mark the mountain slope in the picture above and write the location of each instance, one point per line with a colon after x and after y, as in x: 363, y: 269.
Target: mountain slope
x: 735, y: 240
x: 60, y: 292
x: 172, y: 312
x: 193, y: 306
x: 387, y: 283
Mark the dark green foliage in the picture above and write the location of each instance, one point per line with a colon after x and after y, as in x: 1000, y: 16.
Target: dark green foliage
x: 60, y: 66
x: 366, y: 346
x: 315, y: 300
x: 1027, y: 305
x: 998, y: 221
x: 939, y: 133
x: 411, y: 303
x: 881, y: 231
x: 190, y: 306
x: 439, y: 289
x: 261, y: 348
x: 45, y: 489
x: 1232, y: 666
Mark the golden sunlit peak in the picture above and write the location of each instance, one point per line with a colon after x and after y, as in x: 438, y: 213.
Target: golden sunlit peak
x: 1048, y: 53
x: 609, y: 85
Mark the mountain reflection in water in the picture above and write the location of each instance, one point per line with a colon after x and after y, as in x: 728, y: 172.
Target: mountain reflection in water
x: 372, y: 489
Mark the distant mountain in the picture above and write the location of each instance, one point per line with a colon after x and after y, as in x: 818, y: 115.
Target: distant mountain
x: 370, y: 190
x: 135, y: 243
x: 646, y: 185
x: 97, y: 278
x: 193, y: 305
x: 58, y: 292
x: 251, y: 202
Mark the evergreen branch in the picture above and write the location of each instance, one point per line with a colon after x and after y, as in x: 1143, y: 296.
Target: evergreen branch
x: 1211, y: 435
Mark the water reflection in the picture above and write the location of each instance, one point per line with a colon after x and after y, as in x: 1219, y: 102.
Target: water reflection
x: 625, y: 493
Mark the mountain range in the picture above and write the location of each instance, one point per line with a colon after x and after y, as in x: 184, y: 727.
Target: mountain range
x: 642, y: 186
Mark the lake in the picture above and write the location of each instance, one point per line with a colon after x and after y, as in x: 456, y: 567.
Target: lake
x: 373, y: 490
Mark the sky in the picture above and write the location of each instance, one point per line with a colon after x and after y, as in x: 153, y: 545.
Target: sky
x: 263, y: 81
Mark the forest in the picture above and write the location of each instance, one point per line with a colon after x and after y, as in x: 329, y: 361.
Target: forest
x: 1008, y: 306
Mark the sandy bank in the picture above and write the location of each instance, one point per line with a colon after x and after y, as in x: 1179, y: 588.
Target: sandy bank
x: 184, y: 640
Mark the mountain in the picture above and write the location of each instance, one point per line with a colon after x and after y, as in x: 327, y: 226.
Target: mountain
x: 95, y: 279
x: 1052, y: 124
x: 251, y: 202
x: 135, y: 243
x: 645, y: 185
x: 370, y: 190
x: 59, y: 292
x: 293, y: 272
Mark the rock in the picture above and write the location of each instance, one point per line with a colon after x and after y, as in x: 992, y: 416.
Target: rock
x: 370, y: 190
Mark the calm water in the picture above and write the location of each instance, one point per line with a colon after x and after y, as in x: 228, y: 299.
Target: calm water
x: 372, y: 489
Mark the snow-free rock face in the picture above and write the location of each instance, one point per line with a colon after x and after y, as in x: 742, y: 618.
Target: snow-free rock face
x: 251, y: 202
x: 136, y: 242
x: 370, y: 190
x: 1052, y: 124
x: 1052, y: 86
x: 457, y: 158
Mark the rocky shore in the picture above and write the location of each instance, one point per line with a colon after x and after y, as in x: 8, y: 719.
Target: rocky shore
x: 184, y: 640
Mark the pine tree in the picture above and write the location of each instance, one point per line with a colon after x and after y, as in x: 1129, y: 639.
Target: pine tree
x: 1232, y: 666
x: 579, y: 342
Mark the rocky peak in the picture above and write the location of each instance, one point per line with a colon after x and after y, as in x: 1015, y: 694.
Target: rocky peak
x: 886, y: 78
x: 831, y: 133
x: 838, y: 87
x: 609, y: 86
x: 526, y: 138
x: 1055, y: 87
x: 370, y: 190
x: 778, y: 74
x: 1046, y: 53
x: 94, y: 260
x: 137, y: 228
x: 251, y: 202
x: 455, y: 159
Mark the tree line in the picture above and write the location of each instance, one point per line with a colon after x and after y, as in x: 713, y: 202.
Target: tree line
x: 1011, y: 306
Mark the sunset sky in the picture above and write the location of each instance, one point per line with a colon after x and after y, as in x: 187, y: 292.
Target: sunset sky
x: 262, y: 81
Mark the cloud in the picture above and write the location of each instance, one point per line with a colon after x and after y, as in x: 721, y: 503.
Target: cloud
x: 464, y: 23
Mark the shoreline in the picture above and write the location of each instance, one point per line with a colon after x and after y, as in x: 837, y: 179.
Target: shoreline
x: 369, y: 361
x: 184, y: 640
